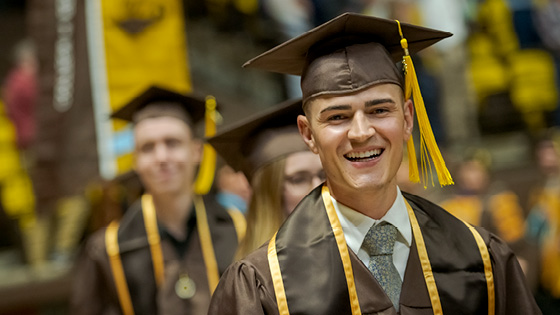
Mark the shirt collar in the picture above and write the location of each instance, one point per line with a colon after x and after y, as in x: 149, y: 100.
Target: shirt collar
x: 355, y: 225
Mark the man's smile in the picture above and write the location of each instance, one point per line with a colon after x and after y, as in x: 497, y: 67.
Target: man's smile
x: 363, y: 156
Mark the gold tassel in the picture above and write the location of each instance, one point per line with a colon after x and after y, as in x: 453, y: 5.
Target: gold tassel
x: 207, y: 167
x: 428, y: 145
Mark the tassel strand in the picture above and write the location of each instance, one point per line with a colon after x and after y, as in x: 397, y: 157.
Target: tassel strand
x: 428, y: 145
x: 207, y: 167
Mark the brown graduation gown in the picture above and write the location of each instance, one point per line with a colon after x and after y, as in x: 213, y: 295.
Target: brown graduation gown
x: 247, y: 287
x: 94, y: 290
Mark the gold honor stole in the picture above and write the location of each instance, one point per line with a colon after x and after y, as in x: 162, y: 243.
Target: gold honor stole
x: 351, y: 295
x: 152, y: 233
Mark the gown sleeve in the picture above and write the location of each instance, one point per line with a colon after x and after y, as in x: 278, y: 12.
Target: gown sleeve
x: 90, y: 294
x: 512, y: 292
x: 245, y: 289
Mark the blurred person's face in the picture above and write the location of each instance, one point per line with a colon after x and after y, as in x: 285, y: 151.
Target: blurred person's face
x: 234, y: 182
x: 166, y: 155
x: 302, y: 173
x: 359, y: 137
x: 473, y: 177
x: 548, y: 158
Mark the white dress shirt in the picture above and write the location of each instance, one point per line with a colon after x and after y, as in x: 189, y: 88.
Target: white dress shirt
x: 355, y: 226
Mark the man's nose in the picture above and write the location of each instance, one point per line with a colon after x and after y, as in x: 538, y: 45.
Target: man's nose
x: 360, y: 128
x: 161, y: 153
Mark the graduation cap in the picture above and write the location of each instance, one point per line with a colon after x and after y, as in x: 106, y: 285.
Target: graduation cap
x: 262, y: 138
x: 353, y: 52
x: 156, y: 101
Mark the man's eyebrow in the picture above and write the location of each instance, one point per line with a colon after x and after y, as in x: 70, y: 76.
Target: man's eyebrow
x: 379, y: 101
x: 368, y: 103
x: 336, y: 107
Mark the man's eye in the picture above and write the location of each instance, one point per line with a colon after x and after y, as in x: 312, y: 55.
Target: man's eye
x: 172, y: 143
x: 146, y: 148
x: 336, y: 117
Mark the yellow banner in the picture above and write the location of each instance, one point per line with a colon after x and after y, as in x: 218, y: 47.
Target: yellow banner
x: 145, y: 44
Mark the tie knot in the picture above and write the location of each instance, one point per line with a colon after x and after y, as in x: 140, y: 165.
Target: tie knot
x: 380, y: 239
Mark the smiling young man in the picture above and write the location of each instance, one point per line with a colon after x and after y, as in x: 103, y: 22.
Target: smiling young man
x: 166, y: 254
x: 359, y: 137
x: 358, y: 245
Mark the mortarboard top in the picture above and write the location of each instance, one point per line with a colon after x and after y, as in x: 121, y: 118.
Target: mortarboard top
x: 191, y: 108
x: 262, y: 138
x: 346, y: 54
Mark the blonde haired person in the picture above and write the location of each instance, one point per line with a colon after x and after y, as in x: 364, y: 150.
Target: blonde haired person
x: 281, y: 169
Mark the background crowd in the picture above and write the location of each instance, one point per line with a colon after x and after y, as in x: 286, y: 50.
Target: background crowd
x: 491, y: 92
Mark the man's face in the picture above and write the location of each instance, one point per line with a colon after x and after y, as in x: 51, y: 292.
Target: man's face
x: 359, y: 137
x: 166, y: 155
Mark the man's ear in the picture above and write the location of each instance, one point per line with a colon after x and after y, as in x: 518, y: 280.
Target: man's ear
x: 408, y: 109
x: 304, y: 127
x: 197, y: 147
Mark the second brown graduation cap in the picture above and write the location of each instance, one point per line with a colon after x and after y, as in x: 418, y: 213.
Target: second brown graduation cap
x: 261, y: 139
x: 157, y: 100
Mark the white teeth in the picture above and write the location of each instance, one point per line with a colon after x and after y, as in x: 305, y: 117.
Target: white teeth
x: 361, y: 155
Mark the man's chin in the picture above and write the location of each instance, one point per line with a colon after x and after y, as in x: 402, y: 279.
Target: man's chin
x: 365, y: 184
x: 165, y: 189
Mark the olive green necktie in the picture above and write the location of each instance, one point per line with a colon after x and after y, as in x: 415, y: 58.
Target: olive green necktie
x: 379, y: 243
